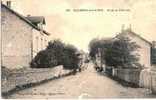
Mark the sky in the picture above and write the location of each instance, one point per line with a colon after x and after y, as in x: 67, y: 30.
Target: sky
x: 79, y: 28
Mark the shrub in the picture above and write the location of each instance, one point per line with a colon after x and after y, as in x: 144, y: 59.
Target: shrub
x: 44, y: 59
x: 56, y: 47
x: 56, y: 53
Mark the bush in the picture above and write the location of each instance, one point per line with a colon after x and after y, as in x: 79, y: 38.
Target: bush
x: 44, y: 59
x: 56, y: 53
x: 56, y: 47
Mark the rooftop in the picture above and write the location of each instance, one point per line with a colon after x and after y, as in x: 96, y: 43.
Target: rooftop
x: 36, y: 19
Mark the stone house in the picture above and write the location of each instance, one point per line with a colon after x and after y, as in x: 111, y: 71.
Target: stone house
x: 22, y: 37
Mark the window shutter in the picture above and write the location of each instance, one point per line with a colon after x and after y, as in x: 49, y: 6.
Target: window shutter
x: 153, y: 55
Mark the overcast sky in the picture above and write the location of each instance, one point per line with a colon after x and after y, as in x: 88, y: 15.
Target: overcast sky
x: 79, y: 28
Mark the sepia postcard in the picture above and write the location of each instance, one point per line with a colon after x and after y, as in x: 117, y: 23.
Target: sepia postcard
x: 78, y: 49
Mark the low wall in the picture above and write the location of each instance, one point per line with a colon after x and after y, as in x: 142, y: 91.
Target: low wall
x: 145, y: 79
x: 27, y: 76
x: 148, y: 79
x: 128, y: 75
x: 153, y: 81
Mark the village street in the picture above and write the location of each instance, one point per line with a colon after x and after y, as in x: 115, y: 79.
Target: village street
x: 87, y: 84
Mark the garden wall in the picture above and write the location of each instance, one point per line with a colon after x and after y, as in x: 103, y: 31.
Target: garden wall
x: 128, y: 75
x: 148, y: 79
x: 153, y: 81
x: 145, y: 78
x: 27, y: 76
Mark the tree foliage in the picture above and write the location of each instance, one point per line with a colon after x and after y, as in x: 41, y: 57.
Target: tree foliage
x: 69, y: 59
x: 94, y: 45
x: 56, y: 53
x: 98, y: 44
x: 44, y: 59
x: 117, y: 52
x: 56, y: 48
x: 122, y: 53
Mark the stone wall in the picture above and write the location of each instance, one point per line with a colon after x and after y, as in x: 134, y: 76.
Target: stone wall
x: 148, y: 79
x: 145, y: 78
x: 153, y: 81
x: 128, y: 75
x: 27, y: 76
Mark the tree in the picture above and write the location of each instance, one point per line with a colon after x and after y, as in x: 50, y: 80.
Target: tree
x: 95, y: 45
x: 69, y: 59
x: 116, y: 52
x: 56, y: 48
x: 44, y: 59
x: 93, y: 48
x: 122, y: 53
x: 56, y: 53
x: 99, y: 44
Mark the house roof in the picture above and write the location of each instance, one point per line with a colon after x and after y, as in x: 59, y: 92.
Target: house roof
x: 135, y: 34
x: 36, y: 19
x: 24, y: 19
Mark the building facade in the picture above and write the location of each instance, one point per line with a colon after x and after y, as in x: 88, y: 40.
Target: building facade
x: 21, y: 39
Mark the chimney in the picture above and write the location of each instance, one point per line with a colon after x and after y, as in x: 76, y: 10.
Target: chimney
x: 122, y: 28
x: 130, y: 27
x: 28, y: 15
x: 154, y: 44
x: 8, y: 3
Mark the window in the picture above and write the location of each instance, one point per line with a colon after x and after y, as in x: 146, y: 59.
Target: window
x: 40, y: 26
